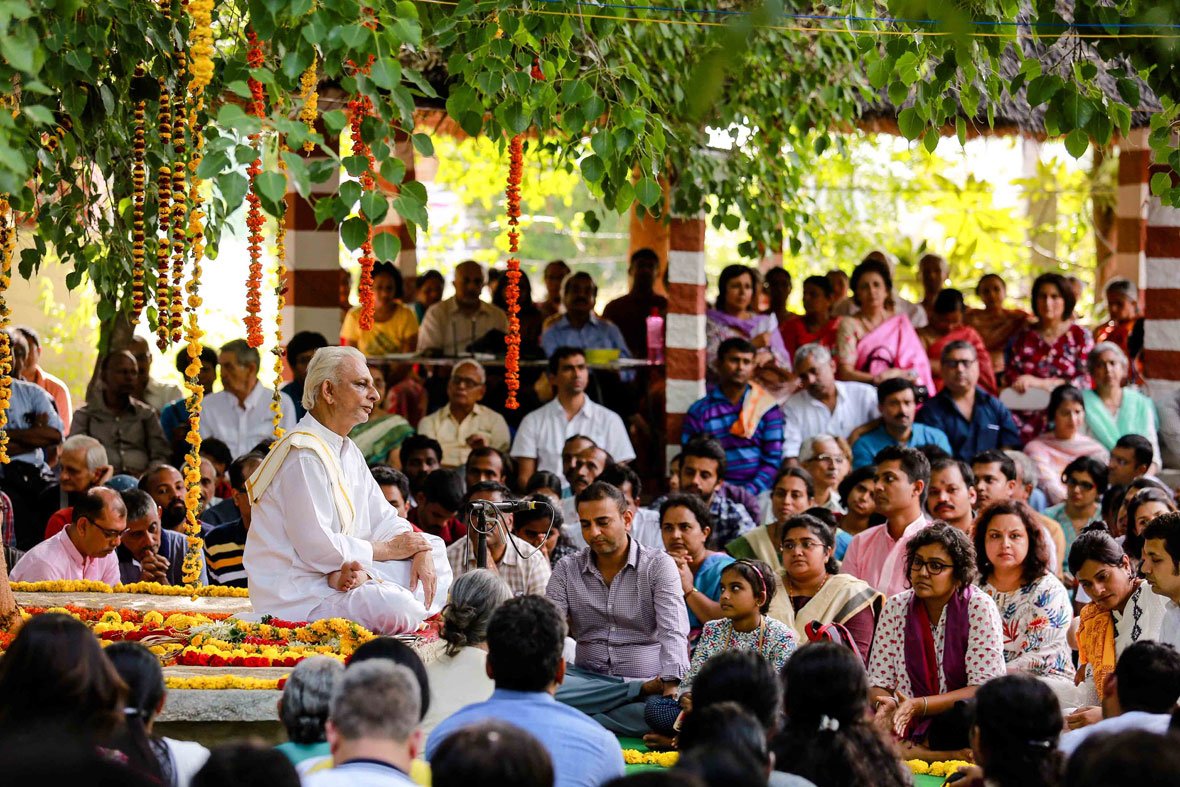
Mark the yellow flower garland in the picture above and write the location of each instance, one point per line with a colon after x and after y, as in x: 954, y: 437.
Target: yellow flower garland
x: 941, y: 769
x: 276, y: 403
x: 146, y: 588
x: 221, y: 682
x: 200, y: 43
x: 310, y: 98
x: 665, y: 759
x: 7, y: 246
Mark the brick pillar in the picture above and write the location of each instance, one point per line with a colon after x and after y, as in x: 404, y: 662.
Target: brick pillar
x: 407, y: 258
x: 1131, y: 205
x: 314, y: 275
x: 685, y: 325
x: 1161, y: 336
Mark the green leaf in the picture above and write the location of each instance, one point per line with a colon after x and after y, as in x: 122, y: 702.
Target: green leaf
x: 648, y: 192
x: 879, y: 72
x: 325, y: 208
x: 1043, y: 88
x: 374, y: 205
x: 1129, y: 91
x: 624, y: 197
x: 1160, y: 183
x: 910, y: 123
x: 1077, y: 143
x: 355, y: 165
x: 354, y: 35
x: 350, y: 192
x: 386, y: 73
x: 898, y: 93
x: 334, y: 121
x: 961, y: 129
x: 423, y: 144
x: 39, y: 114
x: 592, y: 168
x: 213, y: 165
x: 233, y: 187
x: 354, y: 233
x: 393, y: 169
x: 386, y: 246
x: 297, y: 171
x: 930, y: 140
x: 272, y: 189
x: 411, y: 204
x: 1100, y: 128
x: 1076, y: 110
x: 513, y: 117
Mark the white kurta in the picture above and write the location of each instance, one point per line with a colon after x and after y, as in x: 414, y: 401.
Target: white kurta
x: 295, y: 540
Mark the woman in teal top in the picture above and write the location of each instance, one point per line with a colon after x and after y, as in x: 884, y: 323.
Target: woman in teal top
x: 1085, y: 480
x: 1112, y: 410
x: 685, y: 526
x: 303, y: 708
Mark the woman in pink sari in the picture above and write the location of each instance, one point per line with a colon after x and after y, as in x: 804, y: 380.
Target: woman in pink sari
x: 877, y: 343
x: 1054, y: 450
x: 946, y: 326
x: 734, y: 317
x: 993, y: 322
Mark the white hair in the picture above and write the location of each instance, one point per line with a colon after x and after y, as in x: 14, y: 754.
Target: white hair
x: 96, y: 452
x: 483, y: 375
x: 816, y: 352
x: 807, y: 447
x: 1026, y: 467
x: 325, y: 367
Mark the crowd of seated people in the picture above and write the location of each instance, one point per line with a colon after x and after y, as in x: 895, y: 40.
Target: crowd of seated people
x: 962, y: 499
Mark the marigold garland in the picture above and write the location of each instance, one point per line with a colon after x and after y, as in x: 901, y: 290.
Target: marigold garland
x: 276, y: 401
x: 7, y: 247
x: 145, y: 588
x: 664, y: 759
x: 308, y: 82
x: 139, y: 195
x: 200, y: 45
x: 254, y: 218
x: 942, y: 768
x: 512, y: 291
x: 163, y: 217
x: 179, y: 201
x: 222, y: 682
x: 360, y: 107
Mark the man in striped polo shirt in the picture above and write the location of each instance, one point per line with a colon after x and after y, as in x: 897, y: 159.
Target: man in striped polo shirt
x: 226, y: 544
x: 742, y: 416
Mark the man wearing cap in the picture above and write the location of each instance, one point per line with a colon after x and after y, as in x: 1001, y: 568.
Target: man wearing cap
x: 463, y: 424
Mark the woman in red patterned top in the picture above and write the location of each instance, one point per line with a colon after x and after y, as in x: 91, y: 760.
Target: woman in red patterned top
x: 1050, y: 352
x: 817, y: 324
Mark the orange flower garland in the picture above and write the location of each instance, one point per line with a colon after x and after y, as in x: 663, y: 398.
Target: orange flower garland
x: 512, y: 291
x: 179, y: 202
x: 358, y: 109
x: 163, y: 217
x: 310, y: 98
x: 254, y: 218
x: 139, y: 188
x: 7, y: 246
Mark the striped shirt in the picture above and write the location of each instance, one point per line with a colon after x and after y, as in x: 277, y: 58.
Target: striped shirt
x: 524, y: 568
x: 749, y: 462
x: 635, y: 627
x: 224, y: 547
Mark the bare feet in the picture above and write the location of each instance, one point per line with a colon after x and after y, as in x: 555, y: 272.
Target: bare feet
x: 351, y: 575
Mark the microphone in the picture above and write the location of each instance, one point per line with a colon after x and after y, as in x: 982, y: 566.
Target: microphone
x: 508, y: 506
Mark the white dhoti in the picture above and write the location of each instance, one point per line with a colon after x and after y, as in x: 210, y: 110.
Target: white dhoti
x: 315, y: 507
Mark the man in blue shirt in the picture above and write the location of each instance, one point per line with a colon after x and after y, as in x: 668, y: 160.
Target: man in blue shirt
x: 525, y: 640
x: 897, y: 399
x: 579, y: 326
x: 973, y: 420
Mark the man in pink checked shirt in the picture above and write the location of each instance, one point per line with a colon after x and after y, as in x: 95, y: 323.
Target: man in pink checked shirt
x: 85, y: 549
x: 878, y: 554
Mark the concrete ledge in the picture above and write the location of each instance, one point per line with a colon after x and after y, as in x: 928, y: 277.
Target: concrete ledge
x: 141, y: 602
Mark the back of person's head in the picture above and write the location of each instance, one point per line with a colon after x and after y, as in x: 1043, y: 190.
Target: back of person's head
x: 217, y: 450
x: 491, y: 753
x: 377, y: 699
x: 241, y: 468
x: 1140, y: 445
x: 617, y: 474
x: 828, y: 738
x: 246, y: 765
x: 1148, y: 676
x: 398, y: 652
x: 1124, y: 759
x: 1019, y: 721
x: 303, y: 708
x: 657, y: 778
x: 55, y: 675
x: 725, y: 725
x: 525, y: 640
x: 302, y: 342
x: 718, y: 767
x: 744, y: 677
x: 475, y: 597
x: 444, y: 487
x: 55, y: 757
x: 141, y: 672
x: 387, y: 476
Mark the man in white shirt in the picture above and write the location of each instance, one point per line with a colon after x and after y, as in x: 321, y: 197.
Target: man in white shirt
x: 449, y: 326
x: 149, y: 390
x: 463, y: 424
x: 1161, y: 567
x: 323, y: 540
x: 372, y: 727
x: 544, y: 431
x: 1140, y: 695
x: 239, y: 414
x: 825, y: 405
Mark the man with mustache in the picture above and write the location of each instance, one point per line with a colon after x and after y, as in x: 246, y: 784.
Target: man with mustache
x: 952, y: 493
x: 825, y: 405
x: 166, y: 486
x: 898, y: 400
x: 877, y: 555
x: 579, y: 326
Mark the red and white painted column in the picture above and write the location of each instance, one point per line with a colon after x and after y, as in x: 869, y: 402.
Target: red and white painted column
x: 685, y: 325
x: 1131, y: 203
x: 1161, y: 336
x: 315, y: 279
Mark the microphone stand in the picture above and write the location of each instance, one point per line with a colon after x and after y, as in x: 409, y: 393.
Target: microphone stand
x: 481, y: 539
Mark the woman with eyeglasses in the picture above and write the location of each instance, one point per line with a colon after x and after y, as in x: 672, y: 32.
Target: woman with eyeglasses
x: 791, y: 493
x: 1085, y: 482
x: 1065, y: 442
x: 811, y: 589
x: 828, y: 458
x: 1013, y: 562
x: 935, y: 644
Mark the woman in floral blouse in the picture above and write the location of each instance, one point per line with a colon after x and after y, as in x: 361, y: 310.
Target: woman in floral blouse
x: 1034, y: 606
x: 1050, y: 352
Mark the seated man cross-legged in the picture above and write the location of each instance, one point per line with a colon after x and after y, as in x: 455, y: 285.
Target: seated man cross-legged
x: 323, y: 540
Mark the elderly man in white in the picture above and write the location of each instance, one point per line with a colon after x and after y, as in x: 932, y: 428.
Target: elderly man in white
x: 323, y: 541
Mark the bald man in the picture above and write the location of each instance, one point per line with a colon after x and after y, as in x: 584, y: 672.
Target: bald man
x: 450, y: 325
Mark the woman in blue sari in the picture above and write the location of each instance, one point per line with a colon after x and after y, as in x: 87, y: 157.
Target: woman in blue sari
x: 685, y: 526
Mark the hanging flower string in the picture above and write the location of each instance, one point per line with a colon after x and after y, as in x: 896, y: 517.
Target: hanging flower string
x: 276, y: 402
x: 254, y: 218
x: 512, y: 291
x: 139, y: 193
x: 179, y: 201
x: 200, y: 46
x: 310, y: 98
x: 359, y: 108
x: 7, y: 247
x: 163, y: 213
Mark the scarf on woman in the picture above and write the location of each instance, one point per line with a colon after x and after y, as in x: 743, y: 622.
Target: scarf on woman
x: 1096, y: 637
x: 1136, y: 415
x: 921, y: 657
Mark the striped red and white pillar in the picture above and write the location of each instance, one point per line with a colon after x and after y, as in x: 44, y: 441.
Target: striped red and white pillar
x: 1161, y: 337
x: 685, y: 325
x: 316, y: 284
x: 407, y: 258
x: 1131, y: 210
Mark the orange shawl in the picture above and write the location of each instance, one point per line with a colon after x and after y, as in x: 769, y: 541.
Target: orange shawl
x: 1096, y: 644
x: 757, y: 403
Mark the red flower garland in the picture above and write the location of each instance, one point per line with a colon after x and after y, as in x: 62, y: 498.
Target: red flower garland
x: 254, y: 218
x: 512, y: 291
x: 139, y: 192
x: 359, y: 108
